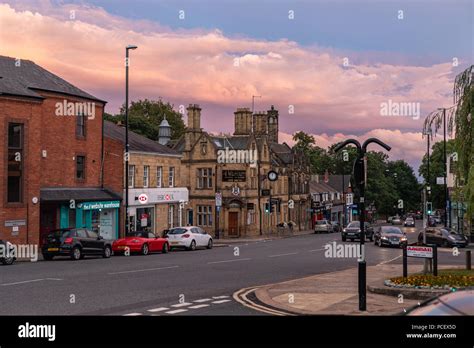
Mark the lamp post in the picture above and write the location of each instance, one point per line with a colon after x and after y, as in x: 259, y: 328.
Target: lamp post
x: 127, y: 155
x: 359, y: 172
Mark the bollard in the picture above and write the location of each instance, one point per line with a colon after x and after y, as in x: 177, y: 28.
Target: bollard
x: 468, y: 259
x: 362, y: 286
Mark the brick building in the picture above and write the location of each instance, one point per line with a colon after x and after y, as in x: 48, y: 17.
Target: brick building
x: 154, y: 170
x: 236, y: 167
x: 51, y: 172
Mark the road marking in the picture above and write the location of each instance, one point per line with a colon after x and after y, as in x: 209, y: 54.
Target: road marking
x: 241, y: 297
x: 219, y: 297
x: 29, y: 281
x: 278, y: 255
x: 316, y: 250
x: 220, y: 301
x: 160, y: 309
x: 234, y: 260
x: 199, y: 306
x: 181, y: 304
x: 202, y: 300
x: 144, y: 270
x: 384, y: 262
x: 132, y: 314
x: 177, y: 311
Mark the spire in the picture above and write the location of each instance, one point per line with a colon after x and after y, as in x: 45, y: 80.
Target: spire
x: 164, y: 131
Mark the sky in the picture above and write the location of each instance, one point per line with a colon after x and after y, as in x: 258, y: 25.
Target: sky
x: 331, y: 68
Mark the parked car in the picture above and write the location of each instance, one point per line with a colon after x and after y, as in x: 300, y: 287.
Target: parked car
x: 443, y: 236
x: 141, y: 242
x: 389, y: 219
x: 409, y: 222
x: 396, y: 220
x: 352, y: 231
x: 323, y: 226
x: 7, y: 256
x: 189, y: 237
x: 390, y: 236
x: 75, y: 243
x: 453, y: 303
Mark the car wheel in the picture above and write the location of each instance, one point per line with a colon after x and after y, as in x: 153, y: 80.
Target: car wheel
x: 107, y: 252
x: 47, y: 257
x: 192, y: 246
x: 209, y: 244
x: 165, y: 248
x: 145, y: 249
x: 76, y: 253
x: 8, y: 260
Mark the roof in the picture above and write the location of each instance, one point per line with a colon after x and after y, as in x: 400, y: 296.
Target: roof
x: 27, y: 78
x: 320, y: 187
x: 232, y: 142
x: 136, y: 141
x: 65, y: 194
x: 335, y: 181
x: 282, y: 151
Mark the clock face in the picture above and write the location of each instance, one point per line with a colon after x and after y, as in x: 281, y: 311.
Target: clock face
x: 272, y: 175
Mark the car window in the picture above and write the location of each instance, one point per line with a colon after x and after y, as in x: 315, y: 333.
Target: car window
x: 321, y: 222
x: 391, y: 230
x: 92, y: 234
x: 202, y: 231
x: 177, y: 231
x: 151, y: 235
x: 354, y: 224
x: 81, y: 233
x: 194, y: 230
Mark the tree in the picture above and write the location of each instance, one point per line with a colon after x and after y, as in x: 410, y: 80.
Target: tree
x: 145, y: 116
x: 407, y: 187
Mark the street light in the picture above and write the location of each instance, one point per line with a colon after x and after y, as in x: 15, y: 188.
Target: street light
x: 360, y: 182
x: 127, y: 220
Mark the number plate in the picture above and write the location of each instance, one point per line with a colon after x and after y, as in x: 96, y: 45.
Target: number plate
x: 53, y: 249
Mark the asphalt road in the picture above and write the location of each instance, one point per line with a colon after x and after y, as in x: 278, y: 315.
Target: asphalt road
x: 177, y: 283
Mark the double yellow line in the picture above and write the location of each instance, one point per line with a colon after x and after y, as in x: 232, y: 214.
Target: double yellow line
x: 241, y: 296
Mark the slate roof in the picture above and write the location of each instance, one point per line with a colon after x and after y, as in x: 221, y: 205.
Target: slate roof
x: 335, y: 181
x: 63, y: 194
x: 320, y: 187
x: 136, y: 141
x: 28, y: 78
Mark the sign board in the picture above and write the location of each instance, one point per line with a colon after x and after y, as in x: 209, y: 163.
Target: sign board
x: 11, y: 223
x: 440, y: 180
x: 349, y: 199
x: 420, y: 251
x: 143, y: 198
x: 218, y: 199
x: 234, y: 176
x: 265, y: 192
x: 100, y: 205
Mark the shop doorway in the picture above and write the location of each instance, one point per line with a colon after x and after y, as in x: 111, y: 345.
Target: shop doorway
x: 233, y: 224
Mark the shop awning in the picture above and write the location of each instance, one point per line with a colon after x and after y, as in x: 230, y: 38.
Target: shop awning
x: 62, y: 194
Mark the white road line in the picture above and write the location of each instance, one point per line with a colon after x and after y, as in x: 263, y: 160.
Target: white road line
x: 384, y: 262
x: 316, y: 250
x: 144, y: 270
x: 29, y: 281
x: 159, y: 309
x: 219, y: 297
x: 132, y: 314
x: 220, y: 301
x: 181, y: 304
x: 199, y: 306
x: 234, y: 260
x: 177, y: 311
x: 202, y: 300
x: 278, y: 255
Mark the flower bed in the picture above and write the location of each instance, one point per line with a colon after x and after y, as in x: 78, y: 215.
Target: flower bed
x: 445, y: 280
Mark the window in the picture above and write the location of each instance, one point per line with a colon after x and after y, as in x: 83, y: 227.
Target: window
x: 253, y: 178
x: 159, y: 176
x: 93, y: 234
x: 80, y: 167
x: 146, y: 176
x: 171, y: 177
x: 81, y: 233
x: 204, y: 215
x: 204, y: 178
x: 15, y: 158
x: 131, y: 176
x: 170, y: 216
x: 81, y: 125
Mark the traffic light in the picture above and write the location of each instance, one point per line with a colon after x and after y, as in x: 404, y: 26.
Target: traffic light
x: 267, y: 208
x: 429, y: 208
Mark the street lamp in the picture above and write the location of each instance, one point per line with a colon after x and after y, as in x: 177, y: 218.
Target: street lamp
x: 127, y: 155
x: 360, y: 182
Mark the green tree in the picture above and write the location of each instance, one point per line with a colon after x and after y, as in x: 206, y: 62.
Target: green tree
x: 145, y: 116
x: 407, y: 187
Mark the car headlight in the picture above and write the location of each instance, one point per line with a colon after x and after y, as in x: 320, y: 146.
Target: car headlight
x: 384, y: 238
x: 344, y: 230
x: 403, y: 239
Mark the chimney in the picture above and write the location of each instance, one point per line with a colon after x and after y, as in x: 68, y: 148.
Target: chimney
x: 194, y: 117
x: 243, y: 121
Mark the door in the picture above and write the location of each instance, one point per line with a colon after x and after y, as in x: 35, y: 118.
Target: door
x: 153, y: 242
x: 107, y: 224
x: 233, y: 224
x: 48, y: 221
x: 196, y: 235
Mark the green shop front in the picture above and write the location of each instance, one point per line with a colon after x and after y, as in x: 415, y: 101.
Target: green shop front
x: 94, y: 209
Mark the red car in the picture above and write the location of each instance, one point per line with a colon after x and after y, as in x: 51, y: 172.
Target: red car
x: 140, y: 242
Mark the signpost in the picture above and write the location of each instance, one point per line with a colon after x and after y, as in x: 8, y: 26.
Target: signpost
x: 425, y: 252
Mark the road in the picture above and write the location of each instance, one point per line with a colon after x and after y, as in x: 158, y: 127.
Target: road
x: 177, y: 283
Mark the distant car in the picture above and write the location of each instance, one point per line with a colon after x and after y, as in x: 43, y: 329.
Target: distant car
x: 336, y: 226
x: 189, y: 237
x: 75, y: 243
x: 390, y: 236
x: 323, y: 226
x: 396, y: 220
x: 409, y: 222
x: 389, y: 219
x: 352, y: 231
x: 445, y: 237
x: 141, y: 242
x: 453, y: 303
x: 7, y: 256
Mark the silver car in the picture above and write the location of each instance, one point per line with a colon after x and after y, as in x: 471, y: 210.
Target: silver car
x: 323, y: 226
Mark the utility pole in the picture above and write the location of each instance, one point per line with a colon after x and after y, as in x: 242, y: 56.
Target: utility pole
x: 446, y: 193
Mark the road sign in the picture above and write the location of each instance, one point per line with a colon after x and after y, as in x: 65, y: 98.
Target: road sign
x: 440, y: 180
x: 218, y: 199
x: 143, y: 198
x: 420, y: 251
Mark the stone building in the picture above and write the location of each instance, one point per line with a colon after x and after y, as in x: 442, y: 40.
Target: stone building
x: 234, y: 170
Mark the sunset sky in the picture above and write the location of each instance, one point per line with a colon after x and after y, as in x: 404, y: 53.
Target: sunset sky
x: 223, y: 52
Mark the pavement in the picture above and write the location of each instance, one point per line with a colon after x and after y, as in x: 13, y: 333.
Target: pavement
x: 265, y: 237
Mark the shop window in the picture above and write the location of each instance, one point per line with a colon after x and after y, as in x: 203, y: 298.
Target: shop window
x: 171, y: 177
x: 146, y: 176
x: 144, y: 220
x: 80, y: 167
x: 204, y: 215
x: 15, y: 159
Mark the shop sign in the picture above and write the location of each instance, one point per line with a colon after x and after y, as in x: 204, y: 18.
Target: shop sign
x: 100, y: 205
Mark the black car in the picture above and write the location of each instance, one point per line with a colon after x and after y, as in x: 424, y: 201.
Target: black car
x: 444, y: 236
x: 7, y: 256
x: 390, y: 236
x: 75, y: 243
x: 409, y: 222
x: 352, y: 231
